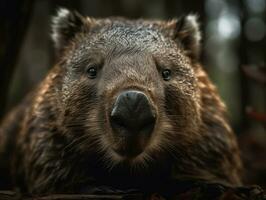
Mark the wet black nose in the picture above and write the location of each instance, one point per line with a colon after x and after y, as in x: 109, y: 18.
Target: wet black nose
x: 132, y: 114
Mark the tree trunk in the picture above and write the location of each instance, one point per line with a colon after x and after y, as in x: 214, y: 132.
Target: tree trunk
x: 14, y: 17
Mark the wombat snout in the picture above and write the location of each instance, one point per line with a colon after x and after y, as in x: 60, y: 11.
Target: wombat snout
x: 132, y: 114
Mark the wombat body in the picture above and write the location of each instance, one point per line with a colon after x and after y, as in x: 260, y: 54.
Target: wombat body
x: 127, y: 105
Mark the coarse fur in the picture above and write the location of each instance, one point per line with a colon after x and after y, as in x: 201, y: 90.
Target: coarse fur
x: 61, y: 139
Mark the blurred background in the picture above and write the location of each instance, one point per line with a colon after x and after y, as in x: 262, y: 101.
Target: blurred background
x: 234, y: 53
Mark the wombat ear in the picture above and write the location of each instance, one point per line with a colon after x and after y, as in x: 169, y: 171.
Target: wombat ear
x: 187, y: 32
x: 64, y: 27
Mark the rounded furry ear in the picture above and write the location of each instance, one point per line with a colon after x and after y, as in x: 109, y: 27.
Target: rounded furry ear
x: 64, y: 27
x: 187, y: 32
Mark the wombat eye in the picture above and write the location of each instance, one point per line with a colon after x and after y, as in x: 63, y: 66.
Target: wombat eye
x: 92, y: 72
x: 166, y: 74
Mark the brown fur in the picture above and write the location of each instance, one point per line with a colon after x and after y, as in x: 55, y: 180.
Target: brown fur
x: 61, y: 137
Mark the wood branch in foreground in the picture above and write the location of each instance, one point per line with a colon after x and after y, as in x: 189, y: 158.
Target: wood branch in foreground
x: 9, y: 195
x: 181, y: 191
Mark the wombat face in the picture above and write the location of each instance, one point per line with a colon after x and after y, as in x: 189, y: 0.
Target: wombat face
x: 129, y: 90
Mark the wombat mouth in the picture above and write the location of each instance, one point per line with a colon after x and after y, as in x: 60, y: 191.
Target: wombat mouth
x: 131, y: 147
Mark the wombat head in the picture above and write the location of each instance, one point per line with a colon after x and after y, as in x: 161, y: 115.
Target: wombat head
x: 128, y: 88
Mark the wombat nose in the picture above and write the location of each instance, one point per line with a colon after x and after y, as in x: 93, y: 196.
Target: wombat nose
x: 132, y: 114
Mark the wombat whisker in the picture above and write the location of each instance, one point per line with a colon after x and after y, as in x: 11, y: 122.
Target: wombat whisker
x: 167, y: 146
x: 109, y: 163
x: 80, y: 141
x: 139, y: 165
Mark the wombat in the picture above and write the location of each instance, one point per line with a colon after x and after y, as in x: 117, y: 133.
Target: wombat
x: 127, y: 105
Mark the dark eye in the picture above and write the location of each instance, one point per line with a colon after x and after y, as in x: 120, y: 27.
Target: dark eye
x: 166, y: 74
x: 92, y: 72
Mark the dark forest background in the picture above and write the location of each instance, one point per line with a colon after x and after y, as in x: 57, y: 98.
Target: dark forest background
x: 234, y: 53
